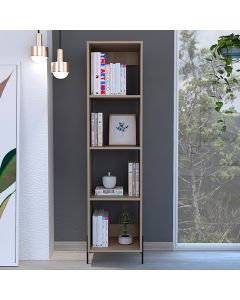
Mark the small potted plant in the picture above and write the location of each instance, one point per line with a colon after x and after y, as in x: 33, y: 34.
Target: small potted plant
x: 224, y: 61
x: 227, y: 46
x: 125, y: 238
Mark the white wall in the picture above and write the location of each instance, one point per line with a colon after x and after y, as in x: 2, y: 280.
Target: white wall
x: 36, y: 169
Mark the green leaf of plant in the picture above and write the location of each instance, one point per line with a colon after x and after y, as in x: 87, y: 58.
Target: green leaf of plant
x: 8, y: 170
x: 4, y: 204
x: 219, y: 121
x: 235, y: 80
x: 220, y: 71
x: 213, y: 46
x: 228, y: 112
x: 223, y: 129
x: 218, y: 106
x: 228, y: 70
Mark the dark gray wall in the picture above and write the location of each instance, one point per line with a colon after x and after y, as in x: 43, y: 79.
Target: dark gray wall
x: 70, y: 133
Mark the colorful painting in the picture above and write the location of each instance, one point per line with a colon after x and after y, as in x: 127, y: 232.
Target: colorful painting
x: 8, y: 142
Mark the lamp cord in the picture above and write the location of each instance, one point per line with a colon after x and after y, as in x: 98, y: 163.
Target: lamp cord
x: 60, y: 39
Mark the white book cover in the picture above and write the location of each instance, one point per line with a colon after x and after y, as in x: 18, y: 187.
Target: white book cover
x: 116, y: 191
x: 130, y: 192
x: 92, y: 64
x: 94, y: 227
x: 100, y: 129
x: 95, y: 129
x: 137, y: 180
x: 96, y: 73
x: 134, y: 179
x: 124, y: 79
x: 105, y: 229
x: 117, y: 78
x: 99, y: 227
x: 111, y: 78
x: 121, y: 79
x: 107, y: 79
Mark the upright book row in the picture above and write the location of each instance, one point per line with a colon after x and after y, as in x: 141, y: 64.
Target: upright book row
x: 107, y: 79
x: 133, y: 179
x: 100, y: 224
x: 96, y: 129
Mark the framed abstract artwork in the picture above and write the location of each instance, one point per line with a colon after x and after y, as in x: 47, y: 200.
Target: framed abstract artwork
x: 122, y: 129
x: 9, y: 119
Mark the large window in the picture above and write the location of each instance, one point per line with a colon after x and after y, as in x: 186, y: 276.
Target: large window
x: 208, y: 204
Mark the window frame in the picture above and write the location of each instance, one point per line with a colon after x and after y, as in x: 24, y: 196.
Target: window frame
x: 176, y: 244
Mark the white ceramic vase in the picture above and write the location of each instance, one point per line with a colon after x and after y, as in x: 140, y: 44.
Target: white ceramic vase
x: 109, y: 181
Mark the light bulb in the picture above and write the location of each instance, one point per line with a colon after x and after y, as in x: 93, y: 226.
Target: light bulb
x: 39, y: 59
x: 60, y: 75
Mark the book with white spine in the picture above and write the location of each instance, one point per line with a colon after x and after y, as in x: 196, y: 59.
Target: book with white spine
x: 111, y: 78
x: 102, y: 191
x: 96, y: 73
x: 94, y: 227
x: 124, y: 79
x: 105, y: 229
x: 114, y: 79
x: 93, y: 129
x: 100, y: 129
x: 130, y: 192
x: 121, y: 79
x: 107, y: 70
x: 137, y: 180
x: 117, y: 78
x: 134, y: 179
x: 92, y: 68
x: 100, y: 228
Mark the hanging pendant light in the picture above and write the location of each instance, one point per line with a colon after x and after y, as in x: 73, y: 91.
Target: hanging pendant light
x: 60, y: 68
x: 39, y: 53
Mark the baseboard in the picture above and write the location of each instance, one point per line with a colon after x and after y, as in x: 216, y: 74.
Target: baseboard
x: 158, y: 246
x: 70, y: 246
x: 81, y: 246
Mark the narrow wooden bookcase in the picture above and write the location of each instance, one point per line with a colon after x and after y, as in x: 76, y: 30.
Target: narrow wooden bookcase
x: 115, y: 158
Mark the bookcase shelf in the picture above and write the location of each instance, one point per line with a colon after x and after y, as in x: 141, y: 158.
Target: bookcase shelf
x: 114, y: 198
x: 116, y: 148
x: 109, y: 97
x: 114, y: 246
x: 115, y: 158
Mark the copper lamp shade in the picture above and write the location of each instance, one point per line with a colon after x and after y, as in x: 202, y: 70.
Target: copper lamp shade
x: 39, y: 53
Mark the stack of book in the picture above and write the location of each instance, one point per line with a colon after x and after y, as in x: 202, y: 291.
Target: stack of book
x: 97, y: 129
x: 107, y: 79
x: 133, y: 179
x: 102, y: 191
x: 100, y: 222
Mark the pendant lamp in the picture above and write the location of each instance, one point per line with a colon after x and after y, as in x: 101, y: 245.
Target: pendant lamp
x: 39, y: 53
x: 60, y: 68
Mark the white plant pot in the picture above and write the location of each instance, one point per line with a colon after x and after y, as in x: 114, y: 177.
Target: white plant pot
x: 125, y: 239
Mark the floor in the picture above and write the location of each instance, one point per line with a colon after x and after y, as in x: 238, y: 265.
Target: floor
x: 153, y: 260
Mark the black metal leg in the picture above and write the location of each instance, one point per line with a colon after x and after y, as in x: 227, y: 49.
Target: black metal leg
x: 87, y: 251
x: 142, y: 252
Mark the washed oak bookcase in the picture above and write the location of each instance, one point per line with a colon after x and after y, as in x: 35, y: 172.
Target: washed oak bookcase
x: 100, y: 160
